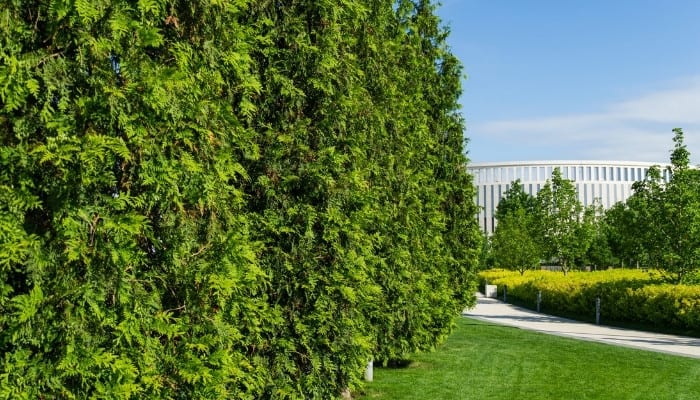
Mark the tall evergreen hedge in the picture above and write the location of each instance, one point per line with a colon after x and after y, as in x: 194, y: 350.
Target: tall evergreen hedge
x: 226, y: 199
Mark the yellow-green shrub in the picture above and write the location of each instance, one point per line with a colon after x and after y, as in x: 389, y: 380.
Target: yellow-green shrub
x: 626, y: 295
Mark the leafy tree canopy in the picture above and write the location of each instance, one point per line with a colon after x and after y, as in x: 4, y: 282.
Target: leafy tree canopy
x: 513, y: 245
x: 515, y: 199
x: 565, y: 227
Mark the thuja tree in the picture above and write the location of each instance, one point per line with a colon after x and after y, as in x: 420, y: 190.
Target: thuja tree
x: 422, y: 221
x: 308, y: 193
x: 360, y: 191
x: 126, y: 265
x: 227, y: 199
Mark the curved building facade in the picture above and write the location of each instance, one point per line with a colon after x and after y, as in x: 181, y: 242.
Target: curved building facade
x: 608, y: 182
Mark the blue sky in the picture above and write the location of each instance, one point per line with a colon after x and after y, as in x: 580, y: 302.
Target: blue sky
x: 578, y: 79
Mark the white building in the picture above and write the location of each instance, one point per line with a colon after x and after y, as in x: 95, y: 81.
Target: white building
x: 607, y: 181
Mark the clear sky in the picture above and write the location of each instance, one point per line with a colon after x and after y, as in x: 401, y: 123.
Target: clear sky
x: 578, y: 79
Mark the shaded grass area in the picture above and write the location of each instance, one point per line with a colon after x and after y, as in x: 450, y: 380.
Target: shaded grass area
x: 485, y: 361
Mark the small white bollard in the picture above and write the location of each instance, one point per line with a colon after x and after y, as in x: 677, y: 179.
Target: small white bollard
x: 369, y: 371
x: 491, y: 291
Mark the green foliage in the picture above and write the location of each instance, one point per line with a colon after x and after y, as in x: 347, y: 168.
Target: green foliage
x: 600, y: 251
x: 624, y: 228
x: 627, y: 295
x: 226, y: 199
x: 659, y: 225
x: 514, y: 246
x: 128, y: 269
x: 600, y: 254
x: 552, y: 226
x: 486, y: 258
x: 565, y: 227
x: 514, y: 200
x: 679, y: 215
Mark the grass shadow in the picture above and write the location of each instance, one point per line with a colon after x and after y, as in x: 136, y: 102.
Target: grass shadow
x: 393, y: 364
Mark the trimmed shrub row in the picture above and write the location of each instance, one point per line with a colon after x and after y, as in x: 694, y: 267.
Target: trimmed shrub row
x: 626, y: 295
x: 228, y: 199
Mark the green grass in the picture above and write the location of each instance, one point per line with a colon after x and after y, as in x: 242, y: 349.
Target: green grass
x: 485, y: 361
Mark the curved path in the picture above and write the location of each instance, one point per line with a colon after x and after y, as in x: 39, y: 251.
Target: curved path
x: 495, y: 311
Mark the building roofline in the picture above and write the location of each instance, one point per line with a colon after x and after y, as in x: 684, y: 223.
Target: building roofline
x: 564, y: 162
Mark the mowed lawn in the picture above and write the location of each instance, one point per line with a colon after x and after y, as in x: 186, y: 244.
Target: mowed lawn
x: 486, y: 361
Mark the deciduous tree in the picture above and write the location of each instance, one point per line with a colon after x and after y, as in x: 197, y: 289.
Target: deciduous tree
x: 514, y: 246
x: 677, y: 216
x: 514, y: 199
x: 658, y: 224
x: 565, y: 226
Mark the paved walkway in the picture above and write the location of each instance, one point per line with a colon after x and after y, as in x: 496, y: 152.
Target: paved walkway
x: 495, y: 311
